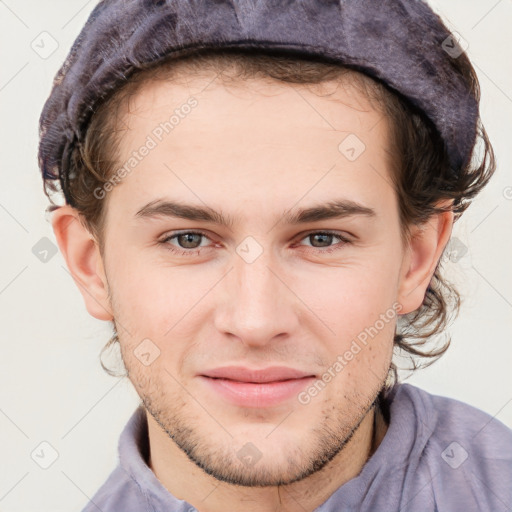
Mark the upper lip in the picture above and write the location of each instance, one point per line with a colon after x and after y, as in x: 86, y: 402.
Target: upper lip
x: 271, y: 374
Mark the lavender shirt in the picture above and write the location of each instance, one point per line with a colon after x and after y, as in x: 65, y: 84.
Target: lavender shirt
x: 438, y: 454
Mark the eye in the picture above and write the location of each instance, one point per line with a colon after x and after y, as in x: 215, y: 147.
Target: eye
x: 324, y: 240
x: 189, y: 242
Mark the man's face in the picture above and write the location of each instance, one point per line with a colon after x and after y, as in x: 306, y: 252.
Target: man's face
x: 263, y: 291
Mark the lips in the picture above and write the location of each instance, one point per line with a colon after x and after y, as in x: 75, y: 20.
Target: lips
x: 242, y: 374
x: 262, y: 388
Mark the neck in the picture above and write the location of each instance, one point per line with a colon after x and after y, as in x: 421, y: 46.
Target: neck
x: 184, y: 480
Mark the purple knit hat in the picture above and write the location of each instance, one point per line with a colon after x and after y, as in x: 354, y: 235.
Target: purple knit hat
x: 402, y: 43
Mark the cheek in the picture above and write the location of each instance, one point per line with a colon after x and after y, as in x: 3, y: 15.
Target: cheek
x: 358, y: 304
x: 162, y: 302
x: 155, y: 300
x: 351, y: 298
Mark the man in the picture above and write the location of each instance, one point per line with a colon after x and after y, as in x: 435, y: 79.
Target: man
x: 258, y: 198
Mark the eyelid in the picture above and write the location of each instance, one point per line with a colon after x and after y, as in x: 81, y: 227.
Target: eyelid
x: 343, y: 235
x: 344, y: 238
x: 174, y: 234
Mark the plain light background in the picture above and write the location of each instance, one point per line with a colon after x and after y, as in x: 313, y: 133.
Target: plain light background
x: 52, y: 387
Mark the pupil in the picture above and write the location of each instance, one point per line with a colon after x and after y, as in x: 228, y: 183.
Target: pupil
x: 188, y: 238
x: 327, y: 238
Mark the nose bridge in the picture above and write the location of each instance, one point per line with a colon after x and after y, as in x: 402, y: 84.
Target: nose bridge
x: 258, y: 306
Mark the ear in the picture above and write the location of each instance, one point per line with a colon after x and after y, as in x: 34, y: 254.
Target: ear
x: 427, y: 242
x: 81, y: 252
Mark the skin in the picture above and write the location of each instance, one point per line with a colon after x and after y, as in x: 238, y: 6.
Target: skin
x: 254, y: 151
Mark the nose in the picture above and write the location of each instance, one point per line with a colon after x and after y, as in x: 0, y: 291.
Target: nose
x: 257, y: 307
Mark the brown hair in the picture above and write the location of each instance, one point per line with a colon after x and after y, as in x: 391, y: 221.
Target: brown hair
x: 421, y: 172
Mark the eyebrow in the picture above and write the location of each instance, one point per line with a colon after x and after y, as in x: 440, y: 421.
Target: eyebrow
x: 336, y: 209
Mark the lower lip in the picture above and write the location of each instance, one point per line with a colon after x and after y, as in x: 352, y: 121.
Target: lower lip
x: 250, y: 394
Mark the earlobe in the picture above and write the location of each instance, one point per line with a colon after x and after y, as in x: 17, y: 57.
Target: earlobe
x: 83, y: 259
x: 426, y: 246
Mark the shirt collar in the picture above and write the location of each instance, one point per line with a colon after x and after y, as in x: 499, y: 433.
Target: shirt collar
x: 133, y: 456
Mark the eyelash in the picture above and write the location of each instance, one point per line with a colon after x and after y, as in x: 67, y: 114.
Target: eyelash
x: 190, y: 252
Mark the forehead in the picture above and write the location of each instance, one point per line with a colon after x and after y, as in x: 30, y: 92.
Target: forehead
x: 171, y: 85
x: 246, y: 138
x: 246, y: 79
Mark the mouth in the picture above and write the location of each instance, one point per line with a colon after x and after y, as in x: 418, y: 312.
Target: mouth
x: 256, y: 388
